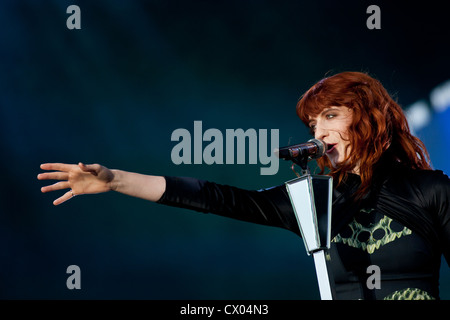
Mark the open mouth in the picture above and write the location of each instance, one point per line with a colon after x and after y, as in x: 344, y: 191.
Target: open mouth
x: 331, y: 147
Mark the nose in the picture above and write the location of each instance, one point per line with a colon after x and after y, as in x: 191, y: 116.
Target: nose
x: 320, y: 132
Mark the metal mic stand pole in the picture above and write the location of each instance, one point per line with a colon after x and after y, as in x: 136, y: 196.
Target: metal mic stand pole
x: 311, y: 198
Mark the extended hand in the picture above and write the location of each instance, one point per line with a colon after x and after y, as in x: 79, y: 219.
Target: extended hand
x: 80, y: 179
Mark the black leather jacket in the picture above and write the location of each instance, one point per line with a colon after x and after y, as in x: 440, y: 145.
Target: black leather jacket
x: 416, y: 199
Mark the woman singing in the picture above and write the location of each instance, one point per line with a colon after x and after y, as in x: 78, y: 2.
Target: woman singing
x: 390, y: 208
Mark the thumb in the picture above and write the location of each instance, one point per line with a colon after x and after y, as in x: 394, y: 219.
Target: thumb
x: 91, y: 168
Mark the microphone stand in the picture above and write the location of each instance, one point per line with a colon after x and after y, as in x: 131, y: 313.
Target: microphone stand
x: 311, y: 198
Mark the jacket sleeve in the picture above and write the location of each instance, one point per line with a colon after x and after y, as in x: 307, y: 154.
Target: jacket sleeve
x: 271, y: 207
x: 440, y: 201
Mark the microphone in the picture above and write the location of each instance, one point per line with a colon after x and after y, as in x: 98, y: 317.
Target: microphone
x: 312, y: 149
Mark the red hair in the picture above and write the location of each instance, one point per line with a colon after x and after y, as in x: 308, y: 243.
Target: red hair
x: 378, y: 125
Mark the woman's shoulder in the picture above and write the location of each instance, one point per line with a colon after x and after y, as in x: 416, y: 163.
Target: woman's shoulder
x: 427, y: 185
x: 421, y: 176
x: 429, y: 177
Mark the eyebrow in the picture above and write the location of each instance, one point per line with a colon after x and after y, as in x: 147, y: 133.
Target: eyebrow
x: 326, y: 109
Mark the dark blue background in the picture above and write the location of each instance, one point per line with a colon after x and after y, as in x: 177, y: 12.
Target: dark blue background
x: 114, y: 91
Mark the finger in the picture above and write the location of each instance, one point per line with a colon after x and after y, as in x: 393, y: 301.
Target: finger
x: 66, y: 196
x: 56, y: 166
x: 91, y: 168
x: 53, y: 176
x: 57, y: 186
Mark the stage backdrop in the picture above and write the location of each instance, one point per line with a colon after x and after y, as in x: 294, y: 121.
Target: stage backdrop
x: 109, y: 82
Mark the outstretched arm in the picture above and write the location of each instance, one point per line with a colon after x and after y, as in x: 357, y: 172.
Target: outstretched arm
x: 268, y: 207
x: 95, y: 178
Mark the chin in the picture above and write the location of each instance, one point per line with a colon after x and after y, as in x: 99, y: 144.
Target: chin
x: 333, y: 163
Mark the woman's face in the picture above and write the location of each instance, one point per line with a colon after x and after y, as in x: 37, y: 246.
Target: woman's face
x: 331, y: 126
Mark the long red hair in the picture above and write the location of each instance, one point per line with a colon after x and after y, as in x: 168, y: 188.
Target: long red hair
x: 379, y: 125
